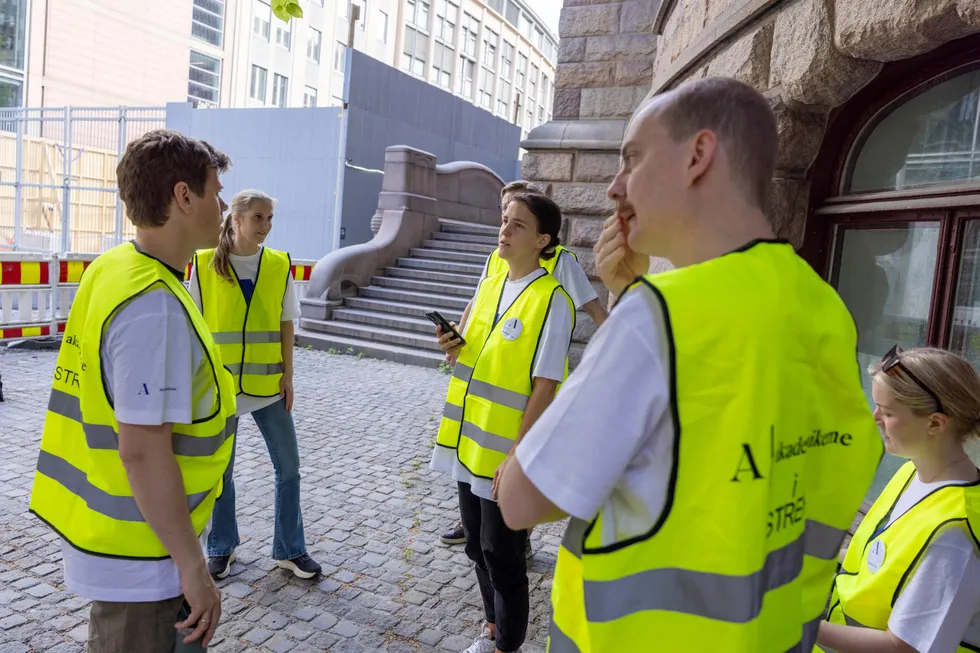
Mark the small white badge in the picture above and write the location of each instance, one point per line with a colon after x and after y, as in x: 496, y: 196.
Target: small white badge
x: 512, y: 329
x: 876, y: 556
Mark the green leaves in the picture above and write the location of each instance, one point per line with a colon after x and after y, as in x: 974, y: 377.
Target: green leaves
x: 287, y: 9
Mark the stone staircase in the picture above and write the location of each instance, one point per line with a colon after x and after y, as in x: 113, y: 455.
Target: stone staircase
x: 386, y: 319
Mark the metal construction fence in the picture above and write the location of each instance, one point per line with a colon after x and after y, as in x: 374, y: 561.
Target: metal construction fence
x: 36, y: 291
x: 58, y: 176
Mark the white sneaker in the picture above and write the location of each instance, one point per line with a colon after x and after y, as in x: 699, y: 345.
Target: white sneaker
x: 483, y: 643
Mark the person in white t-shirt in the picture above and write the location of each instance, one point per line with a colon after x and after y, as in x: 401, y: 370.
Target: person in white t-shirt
x: 927, y: 406
x: 513, y: 360
x: 572, y: 278
x: 156, y: 374
x: 235, y: 266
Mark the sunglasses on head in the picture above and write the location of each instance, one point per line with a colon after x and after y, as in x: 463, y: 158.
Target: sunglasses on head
x: 891, y: 363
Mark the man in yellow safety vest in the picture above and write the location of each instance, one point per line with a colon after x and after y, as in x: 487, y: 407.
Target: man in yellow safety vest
x: 714, y: 444
x: 140, y: 423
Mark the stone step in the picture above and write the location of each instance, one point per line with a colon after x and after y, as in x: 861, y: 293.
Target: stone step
x: 432, y: 275
x: 486, y: 250
x: 466, y: 238
x: 441, y: 265
x: 435, y: 288
x: 371, y: 349
x: 458, y: 227
x: 385, y: 320
x: 427, y: 300
x: 401, y: 308
x: 374, y: 333
x: 449, y: 255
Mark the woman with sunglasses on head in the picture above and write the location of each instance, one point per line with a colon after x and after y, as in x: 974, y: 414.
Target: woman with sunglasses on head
x: 910, y: 579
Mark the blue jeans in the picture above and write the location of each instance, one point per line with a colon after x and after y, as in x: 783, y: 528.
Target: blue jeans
x: 276, y: 425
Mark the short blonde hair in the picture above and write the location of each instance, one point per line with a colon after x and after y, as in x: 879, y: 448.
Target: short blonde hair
x: 952, y: 378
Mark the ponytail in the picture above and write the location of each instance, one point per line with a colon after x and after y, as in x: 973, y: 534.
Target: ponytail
x: 221, y: 263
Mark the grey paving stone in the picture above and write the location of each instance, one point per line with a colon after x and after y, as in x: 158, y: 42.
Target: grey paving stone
x: 258, y: 635
x: 346, y: 629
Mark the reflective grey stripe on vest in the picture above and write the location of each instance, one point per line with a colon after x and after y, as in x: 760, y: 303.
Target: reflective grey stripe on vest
x: 497, y: 395
x: 256, y: 369
x: 559, y: 642
x: 74, y: 480
x: 809, y: 640
x: 251, y: 337
x: 485, y: 439
x: 101, y: 436
x: 462, y: 372
x: 852, y: 622
x: 453, y: 412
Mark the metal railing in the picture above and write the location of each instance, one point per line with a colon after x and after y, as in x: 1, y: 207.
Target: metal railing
x: 36, y: 291
x: 58, y: 176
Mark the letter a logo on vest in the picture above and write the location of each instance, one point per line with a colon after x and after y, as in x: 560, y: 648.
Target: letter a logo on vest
x: 143, y: 390
x: 746, y: 465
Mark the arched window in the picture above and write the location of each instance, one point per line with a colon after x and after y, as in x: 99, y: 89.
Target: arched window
x: 928, y: 139
x: 901, y: 228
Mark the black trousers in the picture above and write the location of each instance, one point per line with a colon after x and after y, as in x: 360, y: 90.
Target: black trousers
x: 501, y: 567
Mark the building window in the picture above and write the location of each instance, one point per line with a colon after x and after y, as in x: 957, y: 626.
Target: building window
x: 471, y: 28
x: 549, y: 50
x: 284, y: 34
x: 503, y: 100
x: 361, y: 23
x: 544, y: 88
x: 314, y: 44
x: 442, y: 65
x: 490, y: 41
x: 280, y: 91
x: 414, y: 51
x: 13, y: 38
x: 446, y: 17
x: 526, y: 26
x: 507, y: 61
x: 532, y: 83
x: 539, y: 39
x: 383, y: 22
x: 496, y: 5
x: 904, y: 247
x: 485, y: 98
x: 512, y: 13
x: 529, y: 125
x: 208, y: 21
x: 521, y: 71
x: 418, y: 13
x: 257, y: 85
x: 262, y: 20
x: 204, y: 80
x: 339, y: 57
x: 466, y: 70
x: 309, y: 97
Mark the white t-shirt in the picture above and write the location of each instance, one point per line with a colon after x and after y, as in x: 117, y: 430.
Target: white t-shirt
x: 154, y: 367
x: 549, y: 363
x: 621, y: 440
x: 246, y: 269
x: 940, y: 605
x: 570, y: 275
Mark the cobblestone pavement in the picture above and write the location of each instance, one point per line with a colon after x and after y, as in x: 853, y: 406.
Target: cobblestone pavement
x: 373, y: 512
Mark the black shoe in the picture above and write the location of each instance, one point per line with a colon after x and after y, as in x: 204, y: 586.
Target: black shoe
x: 302, y: 566
x: 454, y: 535
x: 220, y: 566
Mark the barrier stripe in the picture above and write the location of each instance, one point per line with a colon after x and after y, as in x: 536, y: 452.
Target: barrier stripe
x: 25, y: 273
x: 301, y: 272
x: 29, y: 331
x: 71, y: 271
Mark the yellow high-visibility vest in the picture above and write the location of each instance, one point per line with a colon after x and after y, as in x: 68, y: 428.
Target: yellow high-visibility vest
x: 497, y: 265
x: 876, y: 569
x: 80, y: 486
x: 492, y: 383
x: 248, y: 333
x: 774, y: 448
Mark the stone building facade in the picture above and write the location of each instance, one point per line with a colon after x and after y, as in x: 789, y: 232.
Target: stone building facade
x: 878, y: 108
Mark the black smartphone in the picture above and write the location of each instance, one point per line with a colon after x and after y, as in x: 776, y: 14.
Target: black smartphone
x: 444, y: 324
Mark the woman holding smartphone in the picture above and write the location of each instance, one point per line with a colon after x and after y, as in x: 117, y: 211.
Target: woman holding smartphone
x: 506, y: 375
x: 245, y: 292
